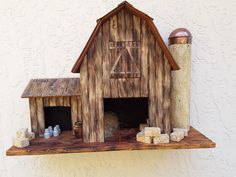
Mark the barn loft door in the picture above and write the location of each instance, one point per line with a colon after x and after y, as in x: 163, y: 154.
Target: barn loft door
x: 126, y: 59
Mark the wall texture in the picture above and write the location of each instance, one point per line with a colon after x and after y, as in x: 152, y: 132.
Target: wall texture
x: 44, y: 38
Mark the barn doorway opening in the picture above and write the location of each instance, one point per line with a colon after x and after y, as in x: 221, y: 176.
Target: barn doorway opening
x: 128, y: 113
x: 58, y: 115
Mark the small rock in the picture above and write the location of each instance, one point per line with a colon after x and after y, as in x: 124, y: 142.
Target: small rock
x: 22, y: 133
x: 181, y: 129
x: 152, y: 131
x: 177, y: 136
x: 142, y: 126
x: 31, y: 136
x: 21, y: 142
x: 164, y: 138
x: 142, y: 138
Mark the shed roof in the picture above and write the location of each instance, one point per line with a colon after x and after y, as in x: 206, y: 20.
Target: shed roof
x: 53, y: 87
x: 131, y: 9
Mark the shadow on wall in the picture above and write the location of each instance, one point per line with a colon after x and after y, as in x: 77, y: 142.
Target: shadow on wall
x: 125, y: 163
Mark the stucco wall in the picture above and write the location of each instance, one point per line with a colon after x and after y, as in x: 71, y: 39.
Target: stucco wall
x: 44, y: 38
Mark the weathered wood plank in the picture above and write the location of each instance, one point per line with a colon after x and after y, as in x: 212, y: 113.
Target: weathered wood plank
x: 33, y: 115
x: 136, y: 36
x: 137, y: 84
x: 67, y: 143
x: 92, y: 94
x: 167, y: 100
x: 106, y: 60
x: 74, y: 110
x: 51, y: 88
x: 48, y: 87
x: 40, y: 115
x: 122, y: 82
x: 66, y: 101
x: 128, y: 83
x: 144, y: 60
x: 59, y: 101
x: 159, y: 85
x: 136, y: 28
x: 152, y: 86
x: 46, y: 101
x: 58, y: 87
x: 85, y: 99
x: 99, y: 112
x: 52, y: 101
x: 79, y: 118
x: 113, y: 37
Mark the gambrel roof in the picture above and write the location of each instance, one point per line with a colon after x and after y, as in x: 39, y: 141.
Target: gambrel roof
x: 125, y: 5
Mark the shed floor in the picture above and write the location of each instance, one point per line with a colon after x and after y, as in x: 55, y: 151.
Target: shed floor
x: 67, y: 143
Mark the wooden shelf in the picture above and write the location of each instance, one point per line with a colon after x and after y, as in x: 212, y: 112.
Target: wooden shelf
x: 67, y: 143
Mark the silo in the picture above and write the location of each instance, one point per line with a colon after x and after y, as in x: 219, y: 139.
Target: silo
x: 180, y: 46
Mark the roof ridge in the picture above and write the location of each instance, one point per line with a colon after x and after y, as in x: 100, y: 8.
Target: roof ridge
x: 136, y: 12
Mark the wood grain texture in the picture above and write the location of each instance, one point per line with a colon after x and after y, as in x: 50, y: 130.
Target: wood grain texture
x: 159, y: 74
x: 144, y: 59
x: 133, y: 11
x: 85, y: 100
x: 33, y: 115
x: 66, y: 101
x: 67, y: 143
x: 113, y: 37
x: 60, y: 101
x: 99, y: 112
x: 46, y: 102
x: 74, y: 110
x: 55, y: 87
x: 52, y: 101
x: 152, y: 80
x: 40, y: 115
x: 92, y: 94
x: 79, y: 109
x: 122, y: 36
x: 136, y: 36
x: 106, y: 60
x: 125, y: 43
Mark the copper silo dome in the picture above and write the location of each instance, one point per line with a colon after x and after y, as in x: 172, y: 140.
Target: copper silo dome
x: 180, y: 36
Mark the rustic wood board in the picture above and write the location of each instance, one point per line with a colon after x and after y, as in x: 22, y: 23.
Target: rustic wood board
x: 67, y: 143
x: 54, y: 87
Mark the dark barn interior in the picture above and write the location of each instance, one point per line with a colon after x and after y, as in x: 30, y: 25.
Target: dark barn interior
x: 131, y: 111
x: 58, y: 115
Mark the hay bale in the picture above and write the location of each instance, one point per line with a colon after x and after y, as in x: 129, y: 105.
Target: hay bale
x: 111, y: 124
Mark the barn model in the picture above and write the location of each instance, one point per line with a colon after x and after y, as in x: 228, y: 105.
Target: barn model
x: 125, y: 68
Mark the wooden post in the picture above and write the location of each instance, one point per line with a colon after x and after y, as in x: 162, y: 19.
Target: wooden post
x: 106, y: 60
x: 74, y: 110
x: 85, y: 100
x: 152, y: 86
x: 40, y: 114
x: 144, y: 60
x: 167, y: 101
x: 33, y: 115
x: 99, y: 111
x: 113, y: 37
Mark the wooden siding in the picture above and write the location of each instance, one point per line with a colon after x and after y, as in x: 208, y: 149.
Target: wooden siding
x: 37, y: 105
x: 54, y: 87
x: 96, y: 81
x: 133, y: 11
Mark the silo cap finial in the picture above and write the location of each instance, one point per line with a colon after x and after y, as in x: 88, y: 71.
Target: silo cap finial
x: 180, y: 36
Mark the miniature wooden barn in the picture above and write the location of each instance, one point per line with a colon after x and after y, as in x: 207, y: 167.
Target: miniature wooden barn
x: 125, y: 58
x: 125, y: 72
x: 53, y: 101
